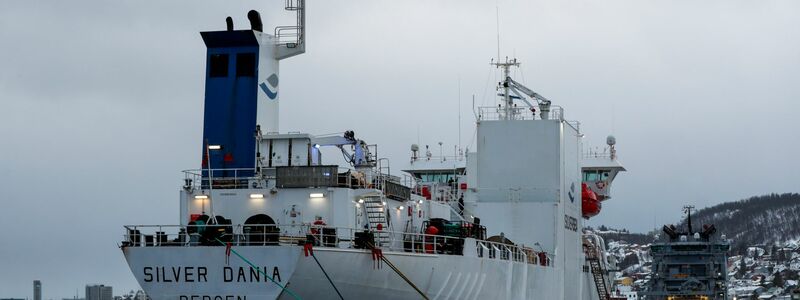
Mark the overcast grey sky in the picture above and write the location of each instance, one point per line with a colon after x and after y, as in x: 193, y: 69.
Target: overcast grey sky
x: 101, y: 104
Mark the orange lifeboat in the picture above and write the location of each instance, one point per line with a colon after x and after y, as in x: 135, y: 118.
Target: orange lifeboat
x: 590, y: 205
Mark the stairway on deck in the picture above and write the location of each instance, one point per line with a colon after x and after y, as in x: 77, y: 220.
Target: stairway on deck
x: 598, y: 273
x: 376, y: 214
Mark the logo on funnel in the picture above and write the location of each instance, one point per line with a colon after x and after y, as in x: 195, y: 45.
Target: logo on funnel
x: 273, y: 85
x: 571, y: 193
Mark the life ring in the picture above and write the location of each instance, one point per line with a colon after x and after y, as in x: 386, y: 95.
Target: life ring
x: 600, y: 184
x: 317, y: 223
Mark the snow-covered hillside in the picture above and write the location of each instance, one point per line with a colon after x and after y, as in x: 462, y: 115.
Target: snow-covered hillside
x: 765, y: 246
x: 762, y: 220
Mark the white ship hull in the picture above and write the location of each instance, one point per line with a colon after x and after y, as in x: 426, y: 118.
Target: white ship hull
x: 175, y: 273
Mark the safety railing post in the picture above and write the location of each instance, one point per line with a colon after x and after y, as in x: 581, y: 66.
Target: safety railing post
x: 321, y: 236
x: 237, y: 233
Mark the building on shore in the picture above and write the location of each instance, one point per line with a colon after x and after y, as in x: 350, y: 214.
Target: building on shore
x: 37, y: 290
x: 99, y: 292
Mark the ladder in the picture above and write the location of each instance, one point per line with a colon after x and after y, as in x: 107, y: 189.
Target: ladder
x: 376, y: 214
x: 598, y: 274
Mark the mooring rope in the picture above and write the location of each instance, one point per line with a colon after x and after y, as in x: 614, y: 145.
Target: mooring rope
x: 396, y: 270
x: 260, y: 271
x: 309, y: 250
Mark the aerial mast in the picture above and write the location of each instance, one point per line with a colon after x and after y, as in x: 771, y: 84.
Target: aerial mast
x: 688, y: 209
x: 507, y: 101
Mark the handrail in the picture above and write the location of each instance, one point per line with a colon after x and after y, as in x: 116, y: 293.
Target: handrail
x: 240, y: 177
x: 518, y: 113
x: 323, y: 236
x: 440, y: 158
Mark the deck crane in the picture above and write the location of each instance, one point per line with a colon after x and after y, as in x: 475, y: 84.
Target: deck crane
x: 543, y: 103
x: 519, y: 89
x: 361, y: 156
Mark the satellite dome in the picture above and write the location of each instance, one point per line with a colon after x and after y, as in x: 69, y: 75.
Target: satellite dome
x: 414, y: 147
x: 611, y: 140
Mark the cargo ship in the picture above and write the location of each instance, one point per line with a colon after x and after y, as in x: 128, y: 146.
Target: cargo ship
x: 265, y: 217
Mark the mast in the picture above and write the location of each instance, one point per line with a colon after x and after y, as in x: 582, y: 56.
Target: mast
x: 507, y: 101
x: 688, y: 209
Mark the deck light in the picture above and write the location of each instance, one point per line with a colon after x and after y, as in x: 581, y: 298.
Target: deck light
x: 214, y: 147
x: 383, y: 202
x: 360, y: 200
x: 400, y: 207
x: 201, y: 197
x: 316, y: 146
x: 316, y: 195
x: 256, y: 196
x: 420, y: 201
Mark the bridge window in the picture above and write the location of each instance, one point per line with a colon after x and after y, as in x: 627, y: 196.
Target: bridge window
x: 246, y: 65
x: 441, y: 178
x: 218, y: 65
x: 595, y: 175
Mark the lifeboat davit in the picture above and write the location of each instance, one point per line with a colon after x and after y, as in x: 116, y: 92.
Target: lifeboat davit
x: 590, y: 205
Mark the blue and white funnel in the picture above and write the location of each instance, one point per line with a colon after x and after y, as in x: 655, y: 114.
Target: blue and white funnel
x: 242, y: 89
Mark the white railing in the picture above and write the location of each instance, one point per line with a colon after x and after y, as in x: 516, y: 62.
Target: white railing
x: 221, y: 178
x: 499, y: 113
x: 518, y: 113
x: 240, y: 178
x: 322, y: 236
x: 292, y: 35
x: 597, y: 155
x: 574, y: 124
x: 443, y: 158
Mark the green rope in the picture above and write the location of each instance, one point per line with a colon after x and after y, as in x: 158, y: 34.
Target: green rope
x: 260, y: 271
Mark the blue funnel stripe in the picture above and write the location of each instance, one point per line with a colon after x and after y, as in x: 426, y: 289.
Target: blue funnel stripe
x: 266, y: 90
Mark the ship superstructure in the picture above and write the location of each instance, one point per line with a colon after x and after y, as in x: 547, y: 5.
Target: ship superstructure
x: 267, y: 217
x: 690, y: 265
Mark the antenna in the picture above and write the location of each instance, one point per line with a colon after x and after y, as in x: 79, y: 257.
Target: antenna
x: 688, y: 209
x: 459, y: 111
x: 505, y: 66
x: 441, y: 151
x: 417, y: 134
x: 613, y: 118
x: 497, y: 18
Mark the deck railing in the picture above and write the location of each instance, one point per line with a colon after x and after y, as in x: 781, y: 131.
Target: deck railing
x: 326, y: 237
x: 517, y: 113
x: 245, y: 178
